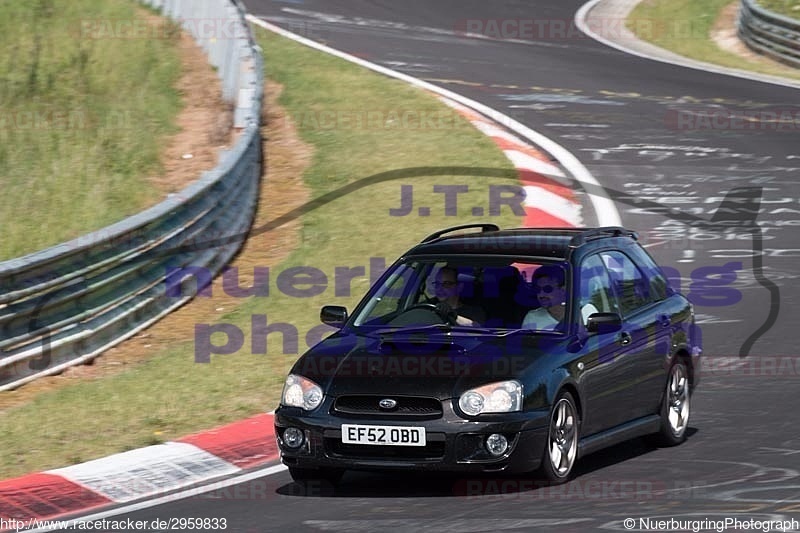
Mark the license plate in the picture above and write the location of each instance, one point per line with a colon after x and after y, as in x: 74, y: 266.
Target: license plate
x: 383, y: 435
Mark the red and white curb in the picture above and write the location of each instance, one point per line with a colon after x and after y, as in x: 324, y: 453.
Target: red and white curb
x: 549, y: 198
x: 141, y: 473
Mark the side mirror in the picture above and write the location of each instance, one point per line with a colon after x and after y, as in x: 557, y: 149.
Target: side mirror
x: 604, y: 323
x: 333, y: 315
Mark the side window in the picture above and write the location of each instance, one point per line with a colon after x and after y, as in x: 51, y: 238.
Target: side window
x: 596, y: 295
x: 655, y: 277
x: 628, y: 282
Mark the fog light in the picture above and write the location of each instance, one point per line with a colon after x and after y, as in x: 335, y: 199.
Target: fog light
x: 497, y: 444
x: 293, y: 437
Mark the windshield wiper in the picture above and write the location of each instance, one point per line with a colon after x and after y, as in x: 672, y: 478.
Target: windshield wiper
x: 388, y: 330
x: 475, y: 329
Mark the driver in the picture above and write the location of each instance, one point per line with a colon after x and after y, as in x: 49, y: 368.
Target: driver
x: 449, y: 305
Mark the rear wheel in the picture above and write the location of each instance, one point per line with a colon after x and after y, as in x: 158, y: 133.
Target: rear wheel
x: 675, y: 407
x: 561, y: 447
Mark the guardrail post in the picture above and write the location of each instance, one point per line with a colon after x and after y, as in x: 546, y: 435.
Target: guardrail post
x: 247, y: 90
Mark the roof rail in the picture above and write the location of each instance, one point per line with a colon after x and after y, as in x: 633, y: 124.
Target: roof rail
x: 598, y: 233
x: 546, y: 228
x: 484, y: 227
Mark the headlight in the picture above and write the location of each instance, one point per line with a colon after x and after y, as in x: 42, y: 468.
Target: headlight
x: 500, y: 397
x: 301, y: 392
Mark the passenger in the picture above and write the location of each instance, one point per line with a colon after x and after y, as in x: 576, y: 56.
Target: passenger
x: 548, y: 284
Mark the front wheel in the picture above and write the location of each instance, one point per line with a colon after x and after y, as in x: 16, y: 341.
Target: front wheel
x: 675, y: 407
x: 562, y: 440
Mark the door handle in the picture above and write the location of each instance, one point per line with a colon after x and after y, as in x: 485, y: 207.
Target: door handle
x: 625, y: 338
x: 664, y: 321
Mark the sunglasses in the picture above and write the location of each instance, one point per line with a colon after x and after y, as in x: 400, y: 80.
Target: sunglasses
x: 547, y: 289
x: 445, y: 283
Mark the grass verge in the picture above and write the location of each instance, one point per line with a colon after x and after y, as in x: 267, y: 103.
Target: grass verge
x: 685, y: 28
x: 359, y: 124
x: 83, y: 113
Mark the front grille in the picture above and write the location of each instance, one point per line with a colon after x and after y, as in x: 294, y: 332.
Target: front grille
x: 407, y: 406
x: 431, y: 451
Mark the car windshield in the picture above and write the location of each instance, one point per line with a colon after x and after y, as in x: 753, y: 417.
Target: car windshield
x: 486, y: 293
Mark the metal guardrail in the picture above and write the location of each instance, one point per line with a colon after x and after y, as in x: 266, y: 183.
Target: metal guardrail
x: 770, y: 33
x: 65, y: 305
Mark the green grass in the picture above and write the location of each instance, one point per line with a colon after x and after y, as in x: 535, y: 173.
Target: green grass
x: 790, y: 8
x: 170, y: 395
x: 684, y: 27
x: 83, y: 114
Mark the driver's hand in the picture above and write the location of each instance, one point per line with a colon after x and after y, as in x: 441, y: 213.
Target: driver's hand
x: 446, y: 312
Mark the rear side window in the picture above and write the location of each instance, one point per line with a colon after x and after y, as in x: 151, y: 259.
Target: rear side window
x: 629, y: 282
x: 655, y: 277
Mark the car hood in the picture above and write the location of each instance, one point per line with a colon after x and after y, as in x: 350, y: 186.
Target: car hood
x: 440, y: 365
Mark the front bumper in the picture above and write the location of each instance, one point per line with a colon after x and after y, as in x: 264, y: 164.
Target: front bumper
x: 453, y: 443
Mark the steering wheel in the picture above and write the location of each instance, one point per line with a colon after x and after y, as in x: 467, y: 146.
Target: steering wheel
x: 428, y: 307
x: 424, y: 305
x: 435, y: 309
x: 422, y: 310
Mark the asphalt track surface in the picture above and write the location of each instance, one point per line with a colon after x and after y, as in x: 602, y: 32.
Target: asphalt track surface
x: 617, y: 114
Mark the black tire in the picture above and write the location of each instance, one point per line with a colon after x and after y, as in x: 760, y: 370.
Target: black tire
x: 675, y: 407
x: 324, y: 475
x: 561, y: 448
